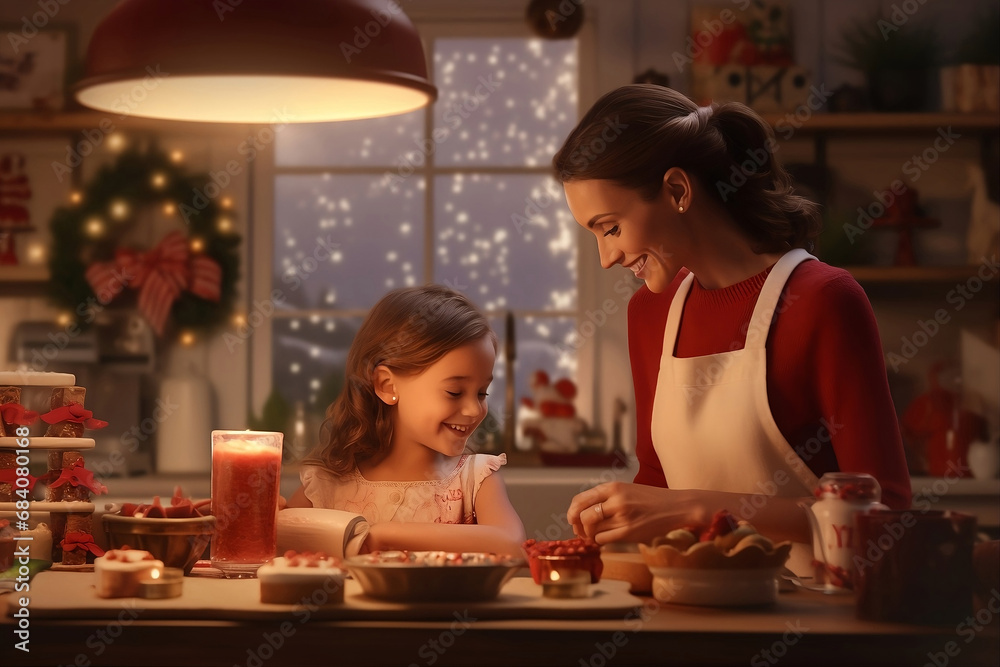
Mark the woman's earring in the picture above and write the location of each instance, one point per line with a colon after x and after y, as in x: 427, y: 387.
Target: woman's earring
x: 393, y: 399
x: 680, y: 209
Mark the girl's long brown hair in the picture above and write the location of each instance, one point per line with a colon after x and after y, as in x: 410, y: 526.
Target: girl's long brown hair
x: 634, y: 134
x: 407, y: 331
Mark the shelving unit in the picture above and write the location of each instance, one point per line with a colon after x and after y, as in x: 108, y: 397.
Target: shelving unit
x: 913, y: 274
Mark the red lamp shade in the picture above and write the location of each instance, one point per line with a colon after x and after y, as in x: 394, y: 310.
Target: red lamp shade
x: 256, y: 61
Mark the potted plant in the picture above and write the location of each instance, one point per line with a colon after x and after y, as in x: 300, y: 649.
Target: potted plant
x: 896, y: 60
x: 972, y: 81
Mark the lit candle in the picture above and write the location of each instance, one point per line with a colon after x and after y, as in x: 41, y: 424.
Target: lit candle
x: 165, y: 583
x: 567, y: 584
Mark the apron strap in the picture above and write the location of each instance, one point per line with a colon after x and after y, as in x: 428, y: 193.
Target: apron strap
x: 674, y: 315
x: 770, y: 295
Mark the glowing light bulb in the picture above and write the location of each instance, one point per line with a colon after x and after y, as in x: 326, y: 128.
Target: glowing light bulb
x: 197, y: 245
x: 76, y: 197
x: 94, y: 227
x: 187, y: 338
x: 159, y: 179
x: 169, y: 208
x: 64, y: 319
x: 119, y: 209
x: 116, y: 142
x: 239, y: 320
x: 226, y: 202
x: 225, y: 224
x: 176, y: 156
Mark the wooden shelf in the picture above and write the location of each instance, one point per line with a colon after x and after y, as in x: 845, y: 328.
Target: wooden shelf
x: 79, y: 120
x: 913, y: 274
x: 884, y: 122
x: 27, y: 273
x: 69, y: 121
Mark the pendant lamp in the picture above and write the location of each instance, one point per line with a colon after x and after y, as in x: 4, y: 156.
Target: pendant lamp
x: 256, y: 61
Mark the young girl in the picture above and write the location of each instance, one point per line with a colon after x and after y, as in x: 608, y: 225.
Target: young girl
x: 394, y: 441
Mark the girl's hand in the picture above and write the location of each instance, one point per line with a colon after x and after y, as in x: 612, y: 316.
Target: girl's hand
x: 622, y: 512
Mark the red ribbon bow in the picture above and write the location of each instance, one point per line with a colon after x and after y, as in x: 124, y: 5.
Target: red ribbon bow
x: 9, y: 476
x: 14, y: 413
x: 83, y: 541
x: 74, y: 412
x: 77, y: 475
x: 159, y: 275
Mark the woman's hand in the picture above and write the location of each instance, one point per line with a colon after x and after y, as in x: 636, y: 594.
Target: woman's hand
x: 621, y: 512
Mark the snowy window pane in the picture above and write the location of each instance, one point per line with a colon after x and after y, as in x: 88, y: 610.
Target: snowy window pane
x: 308, y: 358
x: 375, y: 141
x: 508, y: 241
x: 503, y: 101
x: 344, y: 240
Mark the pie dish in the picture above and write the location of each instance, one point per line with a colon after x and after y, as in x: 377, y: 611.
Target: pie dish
x: 726, y: 563
x: 432, y: 576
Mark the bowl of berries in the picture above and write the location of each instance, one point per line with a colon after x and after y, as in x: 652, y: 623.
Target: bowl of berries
x: 724, y: 563
x: 564, y: 568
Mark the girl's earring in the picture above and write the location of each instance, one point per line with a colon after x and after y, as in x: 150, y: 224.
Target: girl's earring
x: 393, y: 399
x: 680, y: 209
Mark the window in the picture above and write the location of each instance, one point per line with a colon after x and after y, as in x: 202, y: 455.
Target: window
x: 458, y: 194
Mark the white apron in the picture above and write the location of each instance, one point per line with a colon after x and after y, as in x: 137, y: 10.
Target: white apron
x: 712, y: 427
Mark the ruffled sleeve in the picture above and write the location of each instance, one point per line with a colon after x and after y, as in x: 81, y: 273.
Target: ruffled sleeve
x: 485, y: 465
x: 318, y: 485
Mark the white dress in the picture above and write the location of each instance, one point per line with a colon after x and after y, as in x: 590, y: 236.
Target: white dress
x: 448, y: 500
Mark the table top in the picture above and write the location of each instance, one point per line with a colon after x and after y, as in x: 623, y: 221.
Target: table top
x: 801, y: 628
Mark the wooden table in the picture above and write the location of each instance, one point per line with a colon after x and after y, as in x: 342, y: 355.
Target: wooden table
x: 802, y: 628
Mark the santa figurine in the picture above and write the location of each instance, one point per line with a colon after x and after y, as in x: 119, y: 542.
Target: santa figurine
x: 550, y: 419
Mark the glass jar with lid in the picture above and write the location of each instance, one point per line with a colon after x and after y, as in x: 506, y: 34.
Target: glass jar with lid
x: 841, y: 495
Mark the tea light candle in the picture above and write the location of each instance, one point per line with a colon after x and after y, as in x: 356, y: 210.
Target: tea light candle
x: 567, y: 584
x: 162, y: 583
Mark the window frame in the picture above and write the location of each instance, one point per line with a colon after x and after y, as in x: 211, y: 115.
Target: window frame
x: 264, y: 171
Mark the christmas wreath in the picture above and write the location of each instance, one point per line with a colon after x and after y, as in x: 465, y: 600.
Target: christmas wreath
x: 184, y: 282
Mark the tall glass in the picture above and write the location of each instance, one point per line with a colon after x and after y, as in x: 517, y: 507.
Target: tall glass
x: 246, y: 473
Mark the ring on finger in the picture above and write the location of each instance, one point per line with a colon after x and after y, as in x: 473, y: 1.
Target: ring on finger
x: 599, y: 509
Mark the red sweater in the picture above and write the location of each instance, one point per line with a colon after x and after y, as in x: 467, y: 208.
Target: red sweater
x: 824, y: 369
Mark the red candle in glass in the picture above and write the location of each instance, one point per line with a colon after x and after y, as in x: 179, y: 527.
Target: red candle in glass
x: 246, y: 473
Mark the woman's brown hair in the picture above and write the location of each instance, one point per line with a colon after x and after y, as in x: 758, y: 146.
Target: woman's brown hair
x: 407, y: 331
x: 634, y: 134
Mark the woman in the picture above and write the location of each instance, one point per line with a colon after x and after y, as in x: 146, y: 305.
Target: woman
x: 756, y: 367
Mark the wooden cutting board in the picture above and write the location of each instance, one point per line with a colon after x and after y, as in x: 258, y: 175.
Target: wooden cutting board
x: 71, y: 595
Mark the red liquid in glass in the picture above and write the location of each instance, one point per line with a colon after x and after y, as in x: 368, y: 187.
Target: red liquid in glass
x: 245, y: 477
